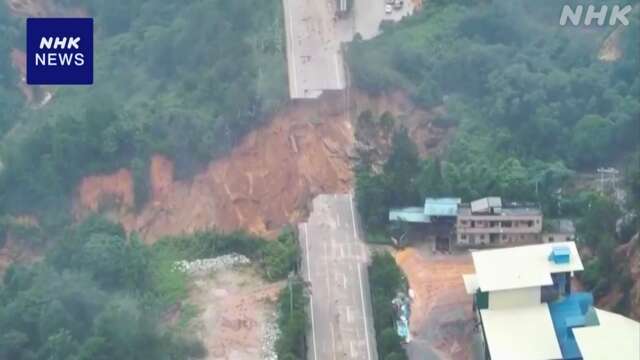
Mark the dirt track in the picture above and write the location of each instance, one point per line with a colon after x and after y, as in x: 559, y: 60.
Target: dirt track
x: 233, y: 308
x: 441, y: 313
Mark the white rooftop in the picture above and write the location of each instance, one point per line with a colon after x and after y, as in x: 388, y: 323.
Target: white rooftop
x: 470, y: 283
x: 485, y: 204
x: 522, y: 266
x: 524, y: 333
x: 616, y: 336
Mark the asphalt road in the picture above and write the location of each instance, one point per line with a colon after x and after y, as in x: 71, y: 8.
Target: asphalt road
x: 335, y: 264
x: 314, y: 58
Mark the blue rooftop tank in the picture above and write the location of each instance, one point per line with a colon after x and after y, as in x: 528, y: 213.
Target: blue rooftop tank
x: 560, y: 255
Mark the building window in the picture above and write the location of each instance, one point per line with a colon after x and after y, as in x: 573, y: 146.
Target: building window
x: 473, y: 224
x: 463, y: 237
x: 463, y: 222
x: 521, y: 237
x: 568, y: 238
x: 506, y: 224
x: 537, y: 221
x: 504, y: 237
x: 481, y: 236
x: 530, y: 223
x: 550, y: 238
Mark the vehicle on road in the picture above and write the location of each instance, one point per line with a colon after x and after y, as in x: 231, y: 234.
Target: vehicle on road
x: 388, y: 9
x: 397, y: 4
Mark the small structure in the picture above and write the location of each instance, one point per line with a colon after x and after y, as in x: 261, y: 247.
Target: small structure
x: 557, y: 230
x: 434, y: 222
x: 488, y: 221
x: 526, y: 309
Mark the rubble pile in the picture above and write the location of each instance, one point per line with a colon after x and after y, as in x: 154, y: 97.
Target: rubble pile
x: 270, y: 335
x: 204, y: 266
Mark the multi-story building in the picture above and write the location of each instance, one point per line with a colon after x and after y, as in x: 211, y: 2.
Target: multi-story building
x: 488, y: 221
x: 526, y: 310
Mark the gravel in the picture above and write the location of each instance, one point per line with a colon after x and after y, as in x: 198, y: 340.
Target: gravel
x: 205, y: 266
x: 269, y: 336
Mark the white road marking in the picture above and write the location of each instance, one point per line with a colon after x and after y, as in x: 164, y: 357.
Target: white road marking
x: 292, y: 52
x: 352, y: 350
x: 333, y: 343
x: 353, y: 217
x: 338, y: 80
x: 364, y: 311
x: 313, y: 324
x: 344, y: 281
x: 349, y: 317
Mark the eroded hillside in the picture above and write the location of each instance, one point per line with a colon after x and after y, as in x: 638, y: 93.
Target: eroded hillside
x: 263, y: 184
x: 266, y: 182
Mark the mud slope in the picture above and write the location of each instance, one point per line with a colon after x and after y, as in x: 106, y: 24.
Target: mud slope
x: 263, y: 184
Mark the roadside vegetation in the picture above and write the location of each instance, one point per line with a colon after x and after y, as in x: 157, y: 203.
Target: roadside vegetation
x: 386, y: 279
x: 292, y: 321
x: 186, y: 79
x: 102, y: 294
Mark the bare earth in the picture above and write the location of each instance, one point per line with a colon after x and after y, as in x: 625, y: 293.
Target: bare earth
x: 234, y: 307
x: 266, y: 182
x: 441, y: 314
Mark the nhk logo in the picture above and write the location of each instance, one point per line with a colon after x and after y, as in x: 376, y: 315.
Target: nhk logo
x: 59, y: 51
x: 577, y: 16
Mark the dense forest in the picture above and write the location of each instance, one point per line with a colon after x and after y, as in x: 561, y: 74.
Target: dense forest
x: 533, y: 108
x: 185, y: 79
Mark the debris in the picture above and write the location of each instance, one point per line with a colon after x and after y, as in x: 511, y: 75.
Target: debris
x: 205, y: 266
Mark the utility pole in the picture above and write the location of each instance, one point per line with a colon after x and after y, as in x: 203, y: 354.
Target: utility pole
x: 608, y: 175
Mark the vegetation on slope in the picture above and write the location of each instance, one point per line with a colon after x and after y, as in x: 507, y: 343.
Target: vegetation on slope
x: 532, y: 104
x: 292, y: 321
x: 530, y: 99
x: 98, y: 294
x: 185, y: 79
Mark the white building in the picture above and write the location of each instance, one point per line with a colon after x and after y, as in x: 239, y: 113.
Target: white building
x: 526, y: 310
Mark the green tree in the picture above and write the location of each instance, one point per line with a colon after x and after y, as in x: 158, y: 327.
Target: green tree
x: 401, y: 169
x: 590, y: 140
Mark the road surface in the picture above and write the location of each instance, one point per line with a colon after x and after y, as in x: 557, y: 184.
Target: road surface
x: 334, y: 261
x: 314, y: 58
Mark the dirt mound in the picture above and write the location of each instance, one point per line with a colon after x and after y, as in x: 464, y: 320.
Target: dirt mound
x: 262, y: 185
x: 610, y: 50
x: 115, y: 189
x: 627, y: 259
x: 16, y: 247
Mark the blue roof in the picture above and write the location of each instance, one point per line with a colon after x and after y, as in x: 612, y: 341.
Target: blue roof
x: 410, y: 214
x: 441, y: 206
x: 575, y: 310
